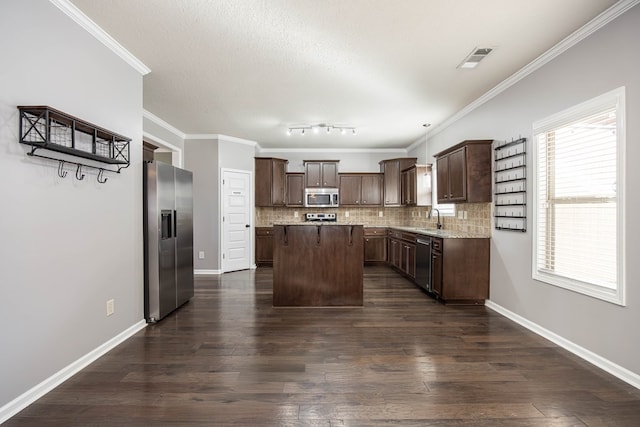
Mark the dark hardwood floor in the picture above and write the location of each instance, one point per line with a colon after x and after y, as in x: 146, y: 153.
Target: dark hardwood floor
x: 229, y: 358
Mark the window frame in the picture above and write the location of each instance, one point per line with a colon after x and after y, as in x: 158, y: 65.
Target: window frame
x: 614, y: 98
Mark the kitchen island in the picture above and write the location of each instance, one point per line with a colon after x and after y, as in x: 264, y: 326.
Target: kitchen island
x: 317, y: 265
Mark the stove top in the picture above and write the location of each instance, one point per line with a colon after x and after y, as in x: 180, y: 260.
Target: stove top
x: 324, y: 217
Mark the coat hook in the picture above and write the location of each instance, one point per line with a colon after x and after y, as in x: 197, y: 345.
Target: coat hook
x: 79, y: 174
x: 61, y: 172
x: 101, y: 178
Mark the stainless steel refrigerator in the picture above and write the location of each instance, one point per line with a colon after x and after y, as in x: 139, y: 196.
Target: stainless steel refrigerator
x: 168, y: 247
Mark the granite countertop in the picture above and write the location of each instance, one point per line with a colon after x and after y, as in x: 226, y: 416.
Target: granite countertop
x: 445, y: 234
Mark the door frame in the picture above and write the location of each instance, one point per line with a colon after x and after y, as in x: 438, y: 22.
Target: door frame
x: 221, y: 260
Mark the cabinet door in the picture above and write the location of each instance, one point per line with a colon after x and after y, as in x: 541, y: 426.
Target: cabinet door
x: 392, y: 183
x: 295, y: 189
x: 395, y: 252
x: 313, y: 174
x: 264, y: 246
x: 371, y: 190
x: 375, y: 249
x: 458, y: 175
x: 408, y: 187
x: 329, y: 174
x: 350, y: 189
x: 278, y: 195
x: 263, y: 182
x: 443, y: 179
x: 410, y: 259
x: 436, y: 272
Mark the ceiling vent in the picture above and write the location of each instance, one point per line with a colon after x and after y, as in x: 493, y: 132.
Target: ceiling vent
x: 474, y: 58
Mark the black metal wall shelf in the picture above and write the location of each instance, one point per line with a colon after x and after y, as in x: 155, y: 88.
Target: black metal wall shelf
x: 510, y: 180
x: 45, y: 128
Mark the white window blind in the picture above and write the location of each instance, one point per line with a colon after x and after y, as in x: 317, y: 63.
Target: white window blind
x: 578, y: 226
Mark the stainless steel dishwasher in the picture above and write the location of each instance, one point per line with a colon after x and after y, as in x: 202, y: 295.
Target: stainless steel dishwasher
x: 423, y: 262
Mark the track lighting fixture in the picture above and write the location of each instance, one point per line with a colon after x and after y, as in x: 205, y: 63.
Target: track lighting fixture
x: 317, y: 128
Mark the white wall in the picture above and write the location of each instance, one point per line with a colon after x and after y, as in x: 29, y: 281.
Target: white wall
x: 201, y: 158
x: 67, y: 246
x: 608, y: 59
x: 205, y: 158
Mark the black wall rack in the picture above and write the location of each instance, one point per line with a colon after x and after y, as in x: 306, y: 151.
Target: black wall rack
x: 45, y: 128
x: 510, y: 171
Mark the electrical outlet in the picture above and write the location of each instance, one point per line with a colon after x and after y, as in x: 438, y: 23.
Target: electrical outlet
x: 346, y: 214
x: 201, y: 255
x: 295, y: 214
x: 464, y: 214
x: 380, y: 214
x: 110, y: 307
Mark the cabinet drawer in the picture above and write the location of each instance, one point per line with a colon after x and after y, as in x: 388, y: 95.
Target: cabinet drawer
x: 264, y: 231
x: 375, y: 231
x: 436, y: 244
x: 410, y: 237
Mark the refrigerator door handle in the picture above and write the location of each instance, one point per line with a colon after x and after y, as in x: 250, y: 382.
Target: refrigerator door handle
x: 165, y: 225
x: 175, y: 223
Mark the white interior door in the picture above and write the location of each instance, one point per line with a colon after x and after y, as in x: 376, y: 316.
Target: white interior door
x: 236, y: 220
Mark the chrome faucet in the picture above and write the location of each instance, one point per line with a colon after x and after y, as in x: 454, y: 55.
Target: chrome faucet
x: 438, y: 224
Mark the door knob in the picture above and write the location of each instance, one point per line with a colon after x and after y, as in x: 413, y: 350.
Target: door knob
x: 247, y: 226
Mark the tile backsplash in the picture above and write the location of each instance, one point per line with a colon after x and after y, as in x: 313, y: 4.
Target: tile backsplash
x: 478, y: 217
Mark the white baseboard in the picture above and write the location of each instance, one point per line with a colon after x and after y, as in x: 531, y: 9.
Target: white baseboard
x: 35, y: 393
x: 614, y: 369
x: 206, y: 272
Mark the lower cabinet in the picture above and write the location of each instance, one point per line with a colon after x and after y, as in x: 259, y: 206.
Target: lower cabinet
x: 460, y: 270
x: 264, y: 246
x: 375, y: 245
x: 402, y: 252
x: 459, y: 266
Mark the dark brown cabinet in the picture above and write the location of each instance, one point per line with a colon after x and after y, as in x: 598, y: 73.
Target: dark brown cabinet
x: 460, y: 270
x: 361, y: 189
x: 416, y: 185
x: 464, y: 172
x: 321, y: 173
x: 264, y: 246
x: 402, y: 252
x: 270, y: 181
x: 391, y: 170
x: 317, y: 265
x: 375, y: 245
x: 295, y: 189
x: 436, y: 266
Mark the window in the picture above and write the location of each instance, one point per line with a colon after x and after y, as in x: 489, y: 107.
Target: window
x: 578, y: 222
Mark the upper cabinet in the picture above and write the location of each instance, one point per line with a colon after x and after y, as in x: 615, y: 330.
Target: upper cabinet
x: 415, y: 183
x: 321, y: 173
x: 270, y: 181
x: 360, y: 189
x: 295, y: 189
x: 464, y: 172
x: 392, y: 184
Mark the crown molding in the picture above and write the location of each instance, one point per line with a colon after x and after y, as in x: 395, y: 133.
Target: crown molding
x: 571, y: 40
x: 221, y: 137
x: 157, y: 120
x: 92, y: 28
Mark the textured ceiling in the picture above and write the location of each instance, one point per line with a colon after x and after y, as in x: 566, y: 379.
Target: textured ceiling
x: 252, y: 68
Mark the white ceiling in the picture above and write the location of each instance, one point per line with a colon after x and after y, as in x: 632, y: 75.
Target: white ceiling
x: 252, y: 68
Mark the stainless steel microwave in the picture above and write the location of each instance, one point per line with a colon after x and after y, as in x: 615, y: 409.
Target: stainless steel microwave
x: 321, y: 197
